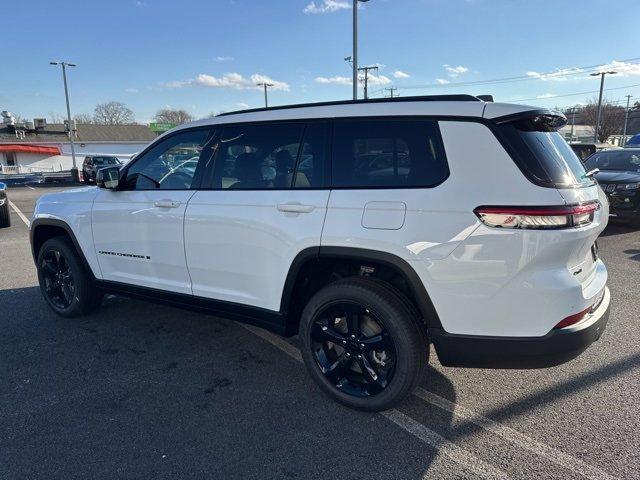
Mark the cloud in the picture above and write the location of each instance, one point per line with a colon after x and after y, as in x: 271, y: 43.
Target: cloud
x: 546, y: 95
x: 337, y: 80
x: 140, y: 3
x: 455, y: 71
x: 622, y: 68
x: 229, y: 80
x: 378, y: 80
x: 559, y: 75
x: 222, y: 59
x: 442, y: 81
x: 131, y: 90
x: 242, y: 105
x: 400, y: 74
x: 326, y: 6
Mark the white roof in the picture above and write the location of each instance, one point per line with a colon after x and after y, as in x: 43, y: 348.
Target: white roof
x: 472, y: 109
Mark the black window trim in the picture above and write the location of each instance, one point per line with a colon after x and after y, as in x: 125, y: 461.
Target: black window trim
x: 492, y: 124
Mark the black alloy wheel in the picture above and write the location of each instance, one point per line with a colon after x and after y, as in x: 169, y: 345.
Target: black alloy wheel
x: 58, y: 279
x: 353, y: 349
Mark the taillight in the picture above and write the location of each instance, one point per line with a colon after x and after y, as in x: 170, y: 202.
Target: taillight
x: 572, y: 319
x: 544, y: 218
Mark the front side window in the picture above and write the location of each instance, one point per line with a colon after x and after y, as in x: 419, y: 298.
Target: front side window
x: 269, y: 156
x: 387, y: 153
x: 171, y: 164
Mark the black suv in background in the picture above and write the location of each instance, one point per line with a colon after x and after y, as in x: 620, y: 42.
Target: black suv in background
x: 94, y: 163
x: 619, y: 177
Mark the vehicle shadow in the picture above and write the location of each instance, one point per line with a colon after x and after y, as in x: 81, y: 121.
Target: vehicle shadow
x: 634, y: 254
x: 203, y: 385
x: 618, y: 228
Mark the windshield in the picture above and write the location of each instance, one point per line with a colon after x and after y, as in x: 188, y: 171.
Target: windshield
x: 105, y: 161
x: 615, y: 160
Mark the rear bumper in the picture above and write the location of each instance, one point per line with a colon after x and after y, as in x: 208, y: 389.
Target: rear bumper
x: 555, y: 348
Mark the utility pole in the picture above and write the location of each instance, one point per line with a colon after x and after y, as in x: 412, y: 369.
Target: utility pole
x: 601, y: 75
x: 366, y: 79
x: 626, y: 118
x: 391, y: 90
x: 355, y: 47
x: 265, y: 85
x: 64, y: 65
x: 573, y: 122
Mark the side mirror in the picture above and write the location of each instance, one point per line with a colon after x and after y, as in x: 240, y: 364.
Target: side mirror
x: 108, y: 177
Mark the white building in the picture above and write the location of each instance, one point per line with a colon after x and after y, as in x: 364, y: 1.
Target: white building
x: 38, y: 146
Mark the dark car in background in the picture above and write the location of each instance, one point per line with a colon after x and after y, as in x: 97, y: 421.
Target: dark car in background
x: 5, y: 218
x: 619, y: 177
x: 93, y: 163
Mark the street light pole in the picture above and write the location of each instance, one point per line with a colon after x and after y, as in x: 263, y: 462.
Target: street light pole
x: 601, y: 74
x: 354, y: 56
x: 64, y: 66
x: 265, y: 85
x: 626, y: 118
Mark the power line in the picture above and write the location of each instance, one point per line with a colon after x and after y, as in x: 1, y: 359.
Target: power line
x: 537, y: 76
x: 571, y: 94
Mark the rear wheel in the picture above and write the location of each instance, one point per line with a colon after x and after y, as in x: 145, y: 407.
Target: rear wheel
x: 64, y: 282
x: 363, y: 344
x: 5, y: 217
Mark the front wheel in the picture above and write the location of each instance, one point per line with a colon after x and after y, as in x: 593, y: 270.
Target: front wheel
x: 64, y: 282
x: 363, y: 344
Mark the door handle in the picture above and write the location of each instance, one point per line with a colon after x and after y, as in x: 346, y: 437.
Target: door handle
x: 295, y: 208
x: 167, y: 204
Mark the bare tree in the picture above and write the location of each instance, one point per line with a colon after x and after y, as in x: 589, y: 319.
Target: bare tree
x: 611, y: 119
x: 84, y: 118
x: 55, y: 117
x: 175, y: 116
x: 113, y: 113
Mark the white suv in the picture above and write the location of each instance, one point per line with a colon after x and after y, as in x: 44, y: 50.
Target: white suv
x: 372, y: 229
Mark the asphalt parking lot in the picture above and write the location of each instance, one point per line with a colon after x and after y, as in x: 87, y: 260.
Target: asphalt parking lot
x: 144, y: 391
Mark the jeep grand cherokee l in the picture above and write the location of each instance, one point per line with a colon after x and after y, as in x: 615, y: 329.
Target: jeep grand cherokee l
x: 376, y: 230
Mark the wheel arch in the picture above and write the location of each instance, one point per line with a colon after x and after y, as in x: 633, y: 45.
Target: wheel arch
x: 42, y: 229
x: 317, y: 258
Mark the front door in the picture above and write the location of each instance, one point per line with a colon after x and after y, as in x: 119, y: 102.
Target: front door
x: 138, y: 229
x: 262, y: 204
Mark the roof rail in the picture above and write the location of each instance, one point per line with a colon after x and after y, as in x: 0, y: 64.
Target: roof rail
x: 418, y: 98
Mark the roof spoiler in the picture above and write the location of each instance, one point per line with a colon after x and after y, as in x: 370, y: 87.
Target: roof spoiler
x: 485, y: 98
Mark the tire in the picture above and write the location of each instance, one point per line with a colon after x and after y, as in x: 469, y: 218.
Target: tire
x: 64, y: 282
x: 5, y: 216
x: 377, y: 305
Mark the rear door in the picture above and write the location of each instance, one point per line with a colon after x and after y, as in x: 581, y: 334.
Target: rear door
x: 262, y: 203
x: 138, y: 229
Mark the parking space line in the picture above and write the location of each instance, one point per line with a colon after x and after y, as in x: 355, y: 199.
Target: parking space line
x: 29, y: 186
x: 20, y: 214
x: 452, y: 451
x: 556, y: 456
x: 449, y: 449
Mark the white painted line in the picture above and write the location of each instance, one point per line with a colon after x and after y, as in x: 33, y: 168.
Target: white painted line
x: 452, y: 451
x: 556, y: 456
x: 20, y: 214
x: 458, y: 454
x: 29, y: 186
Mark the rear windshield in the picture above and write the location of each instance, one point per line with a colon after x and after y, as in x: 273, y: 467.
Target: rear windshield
x: 543, y: 155
x: 625, y: 160
x: 105, y: 160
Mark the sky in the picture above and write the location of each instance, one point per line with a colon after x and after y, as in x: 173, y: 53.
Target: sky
x: 206, y: 56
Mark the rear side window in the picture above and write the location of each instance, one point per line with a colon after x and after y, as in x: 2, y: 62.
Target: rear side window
x: 270, y: 156
x: 387, y: 153
x: 542, y: 154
